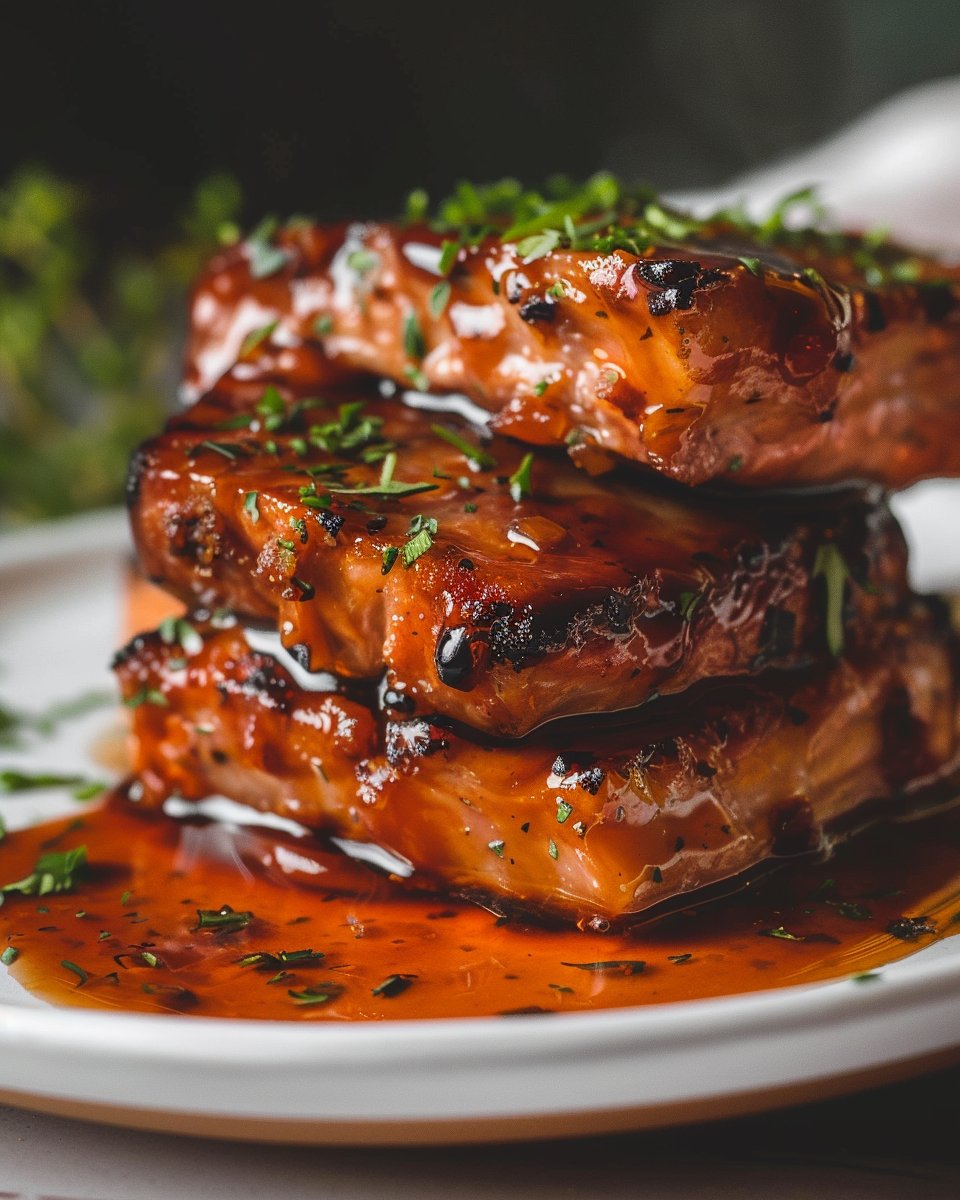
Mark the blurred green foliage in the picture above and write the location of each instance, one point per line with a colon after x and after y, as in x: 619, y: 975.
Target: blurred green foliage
x: 90, y: 339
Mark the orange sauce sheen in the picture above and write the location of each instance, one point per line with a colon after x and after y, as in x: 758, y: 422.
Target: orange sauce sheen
x: 130, y: 925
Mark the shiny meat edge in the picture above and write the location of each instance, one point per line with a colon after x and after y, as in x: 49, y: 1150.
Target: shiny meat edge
x: 702, y: 363
x: 567, y: 596
x: 598, y: 826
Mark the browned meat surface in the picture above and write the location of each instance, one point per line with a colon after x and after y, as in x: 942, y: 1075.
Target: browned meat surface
x: 797, y: 361
x: 589, y: 823
x: 531, y: 597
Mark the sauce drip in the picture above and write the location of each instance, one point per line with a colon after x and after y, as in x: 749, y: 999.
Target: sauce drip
x: 130, y: 928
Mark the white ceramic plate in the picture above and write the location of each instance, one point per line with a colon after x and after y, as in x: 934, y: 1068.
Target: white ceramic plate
x: 419, y: 1081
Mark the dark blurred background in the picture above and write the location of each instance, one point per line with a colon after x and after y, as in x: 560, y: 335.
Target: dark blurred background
x: 341, y: 108
x: 133, y: 132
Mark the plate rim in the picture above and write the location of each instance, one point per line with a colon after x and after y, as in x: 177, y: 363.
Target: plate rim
x: 542, y: 1041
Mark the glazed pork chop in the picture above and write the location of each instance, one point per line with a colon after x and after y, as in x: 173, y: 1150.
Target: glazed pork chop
x: 754, y: 354
x: 589, y: 823
x: 492, y: 586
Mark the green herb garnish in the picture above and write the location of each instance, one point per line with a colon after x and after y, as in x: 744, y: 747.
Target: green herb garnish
x: 477, y: 457
x: 829, y: 563
x: 414, y: 345
x: 256, y: 336
x: 81, y: 974
x: 420, y: 534
x: 784, y: 935
x: 439, y: 299
x: 266, y: 960
x: 147, y: 696
x: 224, y: 918
x: 521, y: 482
x: 264, y: 257
x: 54, y: 872
x: 321, y: 994
x: 9, y: 956
x: 393, y: 985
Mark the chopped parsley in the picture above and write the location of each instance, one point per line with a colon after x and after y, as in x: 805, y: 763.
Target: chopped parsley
x: 521, y: 482
x: 687, y: 604
x: 323, y: 325
x: 265, y: 258
x: 176, y: 631
x: 265, y: 960
x: 830, y: 565
x: 477, y: 457
x: 321, y: 994
x: 617, y: 966
x: 393, y: 985
x: 256, y: 337
x: 420, y: 537
x: 54, y: 872
x: 147, y: 696
x: 80, y: 973
x: 224, y: 918
x: 9, y: 956
x: 439, y: 299
x: 449, y: 252
x: 363, y: 261
x: 783, y: 935
x: 414, y: 345
x: 228, y: 450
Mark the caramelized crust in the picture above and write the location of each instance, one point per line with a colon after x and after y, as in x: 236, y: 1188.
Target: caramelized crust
x: 593, y: 824
x: 581, y: 596
x: 721, y: 361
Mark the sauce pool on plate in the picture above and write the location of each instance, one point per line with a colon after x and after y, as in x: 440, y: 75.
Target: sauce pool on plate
x: 193, y: 916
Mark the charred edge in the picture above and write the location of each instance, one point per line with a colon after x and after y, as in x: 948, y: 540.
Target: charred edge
x: 676, y: 281
x: 538, y: 308
x: 332, y: 522
x: 136, y: 469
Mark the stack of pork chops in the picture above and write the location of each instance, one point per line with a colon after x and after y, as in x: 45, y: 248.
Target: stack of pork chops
x: 542, y: 542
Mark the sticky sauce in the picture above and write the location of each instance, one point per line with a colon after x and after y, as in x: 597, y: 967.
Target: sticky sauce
x: 131, y: 932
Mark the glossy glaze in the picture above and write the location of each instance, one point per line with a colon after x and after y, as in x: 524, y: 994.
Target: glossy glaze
x: 149, y: 877
x: 686, y: 360
x: 585, y: 822
x: 584, y: 595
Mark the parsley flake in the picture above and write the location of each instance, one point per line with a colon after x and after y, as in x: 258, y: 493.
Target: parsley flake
x: 521, y: 483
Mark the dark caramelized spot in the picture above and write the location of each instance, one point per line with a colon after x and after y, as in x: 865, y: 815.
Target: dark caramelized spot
x: 139, y: 462
x: 332, y: 522
x: 538, y: 308
x: 667, y: 272
x: 591, y: 779
x: 300, y: 653
x: 454, y: 658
